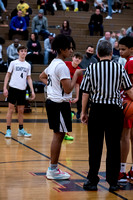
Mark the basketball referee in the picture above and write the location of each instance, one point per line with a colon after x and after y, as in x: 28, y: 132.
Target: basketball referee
x: 102, y: 84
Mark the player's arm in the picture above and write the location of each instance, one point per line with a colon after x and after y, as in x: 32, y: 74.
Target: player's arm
x: 7, y: 77
x: 43, y: 77
x: 69, y: 84
x: 130, y: 93
x: 31, y: 87
x: 84, y: 116
x: 77, y: 93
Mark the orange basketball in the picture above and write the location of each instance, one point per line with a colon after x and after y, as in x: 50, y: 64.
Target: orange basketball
x: 128, y: 109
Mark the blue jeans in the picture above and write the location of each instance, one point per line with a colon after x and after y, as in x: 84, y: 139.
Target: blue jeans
x: 43, y: 32
x: 46, y: 57
x: 93, y: 28
x: 110, y: 7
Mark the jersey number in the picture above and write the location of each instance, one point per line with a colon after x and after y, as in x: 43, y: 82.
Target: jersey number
x: 21, y: 75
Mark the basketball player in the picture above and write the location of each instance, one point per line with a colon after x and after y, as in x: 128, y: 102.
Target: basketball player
x: 126, y: 51
x: 102, y: 83
x: 20, y: 72
x: 59, y: 87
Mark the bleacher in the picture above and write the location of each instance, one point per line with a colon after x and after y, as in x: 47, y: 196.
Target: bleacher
x: 79, y: 25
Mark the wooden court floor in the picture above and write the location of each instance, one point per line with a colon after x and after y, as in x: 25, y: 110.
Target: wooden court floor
x: 23, y: 164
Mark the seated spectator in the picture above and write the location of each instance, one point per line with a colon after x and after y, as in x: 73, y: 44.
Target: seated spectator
x: 12, y: 52
x: 40, y: 24
x: 83, y: 5
x: 66, y: 30
x: 129, y: 31
x: 121, y: 34
x: 49, y: 54
x: 2, y: 8
x: 96, y: 22
x: 116, y: 53
x: 101, y: 5
x: 107, y: 37
x: 18, y: 26
x: 66, y: 3
x: 117, y: 6
x: 34, y: 50
x: 26, y: 10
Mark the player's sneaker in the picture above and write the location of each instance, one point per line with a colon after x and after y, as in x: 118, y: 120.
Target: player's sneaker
x: 130, y: 174
x: 68, y: 137
x: 122, y: 177
x: 22, y: 132
x: 8, y: 133
x: 56, y: 174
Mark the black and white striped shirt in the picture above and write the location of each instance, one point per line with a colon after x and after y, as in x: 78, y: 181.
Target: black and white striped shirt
x: 103, y: 82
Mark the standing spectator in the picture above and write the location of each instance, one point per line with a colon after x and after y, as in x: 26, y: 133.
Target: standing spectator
x: 66, y: 3
x: 26, y: 10
x: 129, y: 31
x: 12, y: 51
x: 126, y: 51
x: 40, y: 24
x: 18, y: 26
x: 96, y: 23
x: 2, y: 8
x: 105, y: 116
x: 109, y: 9
x: 66, y: 30
x: 20, y: 72
x: 34, y: 50
x: 49, y: 53
x: 59, y: 87
x: 108, y: 38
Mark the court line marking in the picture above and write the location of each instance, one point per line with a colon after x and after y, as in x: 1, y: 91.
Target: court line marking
x: 77, y: 173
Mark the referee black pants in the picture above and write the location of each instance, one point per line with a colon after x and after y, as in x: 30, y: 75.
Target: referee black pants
x: 104, y: 120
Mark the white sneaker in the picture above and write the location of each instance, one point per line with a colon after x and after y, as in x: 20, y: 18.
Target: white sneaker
x: 56, y: 174
x: 108, y: 17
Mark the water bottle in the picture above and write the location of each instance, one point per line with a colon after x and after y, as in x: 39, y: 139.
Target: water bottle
x: 27, y: 94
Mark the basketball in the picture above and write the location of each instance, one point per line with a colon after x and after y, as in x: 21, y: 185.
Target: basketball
x: 128, y: 109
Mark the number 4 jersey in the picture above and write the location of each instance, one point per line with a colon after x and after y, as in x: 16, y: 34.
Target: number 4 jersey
x: 19, y: 70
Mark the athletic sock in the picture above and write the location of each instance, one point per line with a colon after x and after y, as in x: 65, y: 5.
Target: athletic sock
x: 123, y: 168
x: 53, y: 166
x: 20, y: 127
x: 8, y: 127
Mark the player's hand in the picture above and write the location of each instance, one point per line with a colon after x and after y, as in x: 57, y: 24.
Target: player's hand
x: 74, y: 100
x: 5, y: 93
x: 33, y: 96
x: 84, y: 118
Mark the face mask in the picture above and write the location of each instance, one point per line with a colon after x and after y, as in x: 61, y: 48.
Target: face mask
x: 89, y: 54
x: 21, y: 1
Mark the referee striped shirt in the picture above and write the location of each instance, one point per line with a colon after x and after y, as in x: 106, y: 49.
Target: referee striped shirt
x: 103, y: 82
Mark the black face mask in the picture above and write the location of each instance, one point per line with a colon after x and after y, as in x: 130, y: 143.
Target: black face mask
x: 89, y: 54
x: 21, y: 1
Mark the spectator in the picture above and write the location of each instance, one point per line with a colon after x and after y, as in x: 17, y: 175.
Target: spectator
x: 40, y: 24
x: 109, y: 9
x: 12, y: 51
x: 100, y: 4
x: 18, y: 26
x: 49, y: 53
x: 26, y: 10
x: 88, y: 59
x: 66, y: 3
x: 83, y: 5
x: 34, y: 50
x: 116, y: 53
x: 108, y: 38
x: 66, y: 30
x: 122, y: 33
x: 96, y: 22
x: 129, y: 31
x: 2, y: 8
